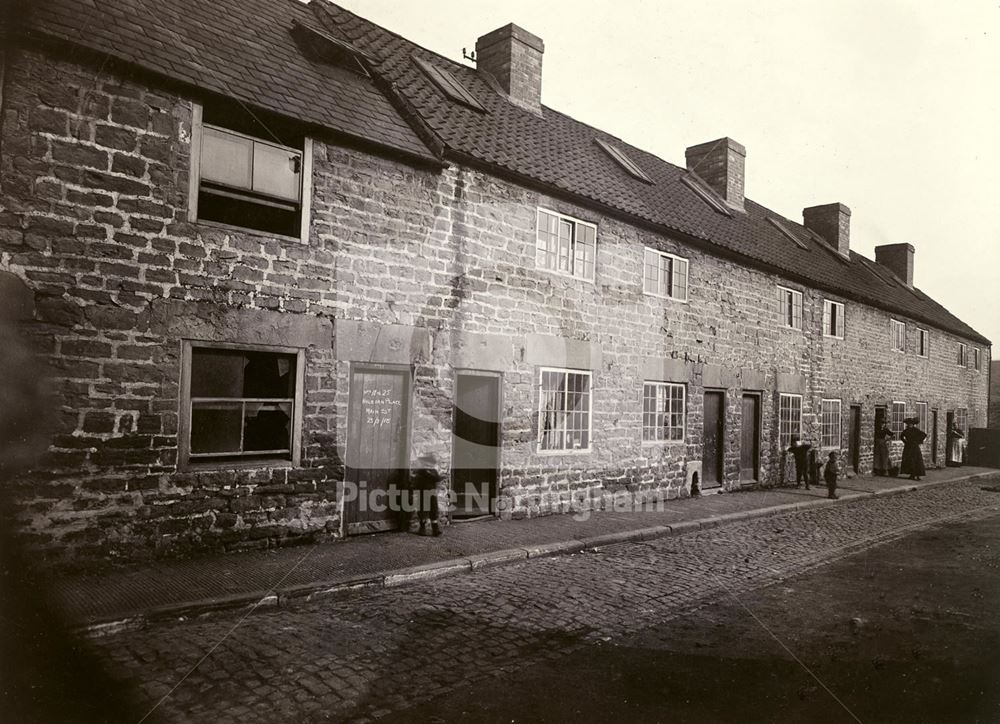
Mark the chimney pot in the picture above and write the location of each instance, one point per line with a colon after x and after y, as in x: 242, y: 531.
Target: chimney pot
x: 898, y: 258
x: 513, y: 56
x: 720, y: 164
x: 833, y: 223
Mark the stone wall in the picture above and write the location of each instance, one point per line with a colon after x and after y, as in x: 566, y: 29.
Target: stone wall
x: 429, y: 270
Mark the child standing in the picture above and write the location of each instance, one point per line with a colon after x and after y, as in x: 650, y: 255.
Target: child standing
x: 830, y: 475
x: 424, y: 484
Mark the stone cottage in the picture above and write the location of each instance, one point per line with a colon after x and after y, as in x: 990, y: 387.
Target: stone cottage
x: 270, y: 252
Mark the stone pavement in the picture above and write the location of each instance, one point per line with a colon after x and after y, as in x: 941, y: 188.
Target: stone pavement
x: 168, y: 589
x: 373, y: 652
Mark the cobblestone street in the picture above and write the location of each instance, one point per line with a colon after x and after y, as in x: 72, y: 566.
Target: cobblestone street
x: 371, y: 653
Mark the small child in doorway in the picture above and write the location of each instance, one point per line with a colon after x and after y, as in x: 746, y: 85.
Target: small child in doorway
x: 424, y: 483
x: 830, y: 475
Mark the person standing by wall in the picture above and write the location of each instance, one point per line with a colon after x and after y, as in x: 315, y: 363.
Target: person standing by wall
x: 830, y: 475
x: 424, y: 485
x: 800, y: 451
x: 881, y: 463
x: 956, y: 438
x: 913, y: 457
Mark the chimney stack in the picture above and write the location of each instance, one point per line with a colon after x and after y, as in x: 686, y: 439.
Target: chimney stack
x: 898, y: 258
x: 721, y: 165
x: 833, y: 223
x: 513, y: 56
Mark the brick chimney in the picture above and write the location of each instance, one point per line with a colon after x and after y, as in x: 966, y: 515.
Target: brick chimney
x: 833, y: 223
x: 898, y: 258
x: 721, y: 165
x: 513, y: 56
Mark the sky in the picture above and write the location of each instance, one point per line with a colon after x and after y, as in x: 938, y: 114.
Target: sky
x: 888, y: 106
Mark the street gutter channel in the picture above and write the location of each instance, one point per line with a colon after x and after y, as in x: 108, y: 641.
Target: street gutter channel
x: 270, y: 599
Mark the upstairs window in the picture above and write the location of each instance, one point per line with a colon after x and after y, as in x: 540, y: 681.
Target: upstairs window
x: 833, y: 319
x: 662, y: 412
x: 830, y: 423
x: 564, y: 406
x: 976, y: 363
x: 898, y: 336
x: 664, y: 275
x: 249, y: 172
x: 789, y: 419
x: 240, y: 405
x: 963, y: 354
x: 897, y: 415
x: 790, y: 308
x: 923, y: 342
x: 565, y: 245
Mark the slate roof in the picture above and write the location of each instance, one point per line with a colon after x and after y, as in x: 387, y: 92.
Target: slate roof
x: 243, y: 48
x: 238, y: 48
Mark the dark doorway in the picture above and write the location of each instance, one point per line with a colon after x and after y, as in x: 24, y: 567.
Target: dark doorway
x: 934, y: 437
x: 377, y: 447
x: 712, y: 441
x: 475, y: 457
x: 854, y: 438
x: 750, y: 438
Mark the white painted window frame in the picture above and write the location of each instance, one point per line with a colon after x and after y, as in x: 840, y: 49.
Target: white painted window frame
x: 895, y: 324
x: 783, y: 310
x: 963, y: 354
x: 923, y: 342
x: 541, y: 413
x: 674, y: 259
x: 782, y: 396
x: 577, y: 223
x: 923, y: 416
x: 892, y: 418
x: 840, y: 423
x: 828, y: 305
x: 668, y: 386
x: 194, y: 183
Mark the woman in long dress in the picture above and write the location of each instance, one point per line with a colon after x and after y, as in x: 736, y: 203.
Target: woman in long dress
x: 913, y: 458
x: 955, y: 438
x: 881, y: 463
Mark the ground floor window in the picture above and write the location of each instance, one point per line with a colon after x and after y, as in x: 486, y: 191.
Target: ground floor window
x: 564, y: 410
x: 662, y: 412
x: 789, y: 419
x: 962, y: 420
x: 897, y: 415
x: 830, y: 424
x: 922, y: 416
x: 239, y: 404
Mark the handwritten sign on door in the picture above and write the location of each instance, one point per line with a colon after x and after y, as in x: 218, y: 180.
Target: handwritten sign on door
x: 379, y: 406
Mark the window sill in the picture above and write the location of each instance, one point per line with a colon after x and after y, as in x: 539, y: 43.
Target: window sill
x: 833, y: 336
x: 564, y: 275
x: 663, y: 443
x: 252, y: 232
x: 206, y: 466
x: 556, y: 453
x: 664, y: 296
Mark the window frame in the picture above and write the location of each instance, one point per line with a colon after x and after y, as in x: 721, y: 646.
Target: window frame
x: 541, y: 412
x: 963, y: 355
x: 823, y: 423
x: 784, y: 442
x: 576, y: 223
x: 194, y: 180
x: 829, y: 304
x: 674, y: 258
x: 892, y: 418
x: 923, y: 416
x: 782, y: 311
x: 977, y: 364
x: 895, y: 324
x: 184, y: 461
x: 669, y: 386
x: 923, y: 343
x: 962, y: 420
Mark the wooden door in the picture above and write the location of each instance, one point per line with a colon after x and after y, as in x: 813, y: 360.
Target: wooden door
x: 377, y: 447
x: 934, y: 436
x: 475, y: 457
x: 750, y: 438
x: 854, y: 438
x: 712, y: 440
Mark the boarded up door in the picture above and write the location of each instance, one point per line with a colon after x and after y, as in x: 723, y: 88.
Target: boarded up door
x: 750, y: 438
x: 712, y: 440
x: 377, y: 447
x: 476, y: 444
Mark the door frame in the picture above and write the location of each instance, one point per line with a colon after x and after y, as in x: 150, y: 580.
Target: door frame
x: 498, y: 376
x: 854, y: 435
x: 406, y: 438
x: 759, y: 422
x: 721, y: 462
x: 934, y: 436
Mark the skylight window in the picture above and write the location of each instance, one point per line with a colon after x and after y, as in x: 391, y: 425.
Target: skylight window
x: 705, y: 193
x: 448, y: 84
x: 328, y: 49
x: 787, y: 232
x: 624, y: 161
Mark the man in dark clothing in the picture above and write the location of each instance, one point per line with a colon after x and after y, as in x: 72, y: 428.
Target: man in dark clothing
x: 424, y: 484
x: 800, y: 451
